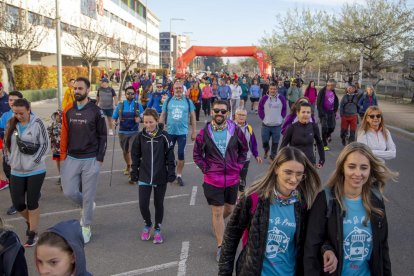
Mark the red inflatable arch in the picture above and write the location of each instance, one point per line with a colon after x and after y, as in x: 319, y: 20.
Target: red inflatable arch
x: 222, y: 51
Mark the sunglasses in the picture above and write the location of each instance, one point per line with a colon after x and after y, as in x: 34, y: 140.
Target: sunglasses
x: 378, y: 116
x: 130, y: 93
x: 222, y: 111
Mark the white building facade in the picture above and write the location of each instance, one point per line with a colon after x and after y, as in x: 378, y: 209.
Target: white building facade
x: 126, y: 20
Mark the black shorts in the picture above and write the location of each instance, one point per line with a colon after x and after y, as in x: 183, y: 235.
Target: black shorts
x: 219, y: 196
x: 253, y: 100
x: 244, y: 98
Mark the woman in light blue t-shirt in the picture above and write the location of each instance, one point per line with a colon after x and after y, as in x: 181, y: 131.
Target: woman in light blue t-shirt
x: 271, y: 218
x: 347, y: 231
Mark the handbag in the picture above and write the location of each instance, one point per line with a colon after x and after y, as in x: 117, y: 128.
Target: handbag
x: 25, y: 147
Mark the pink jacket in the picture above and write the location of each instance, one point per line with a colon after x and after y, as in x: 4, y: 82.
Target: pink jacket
x: 207, y: 92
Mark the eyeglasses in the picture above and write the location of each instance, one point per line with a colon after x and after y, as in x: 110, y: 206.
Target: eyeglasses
x: 222, y: 111
x: 159, y: 86
x: 130, y: 93
x: 378, y: 116
x: 298, y: 175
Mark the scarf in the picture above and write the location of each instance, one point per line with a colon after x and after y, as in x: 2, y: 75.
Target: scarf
x: 283, y: 200
x: 217, y: 127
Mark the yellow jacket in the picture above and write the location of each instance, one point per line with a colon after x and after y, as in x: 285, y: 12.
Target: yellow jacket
x: 68, y: 98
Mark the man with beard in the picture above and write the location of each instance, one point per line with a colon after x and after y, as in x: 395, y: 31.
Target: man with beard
x: 82, y: 147
x: 220, y: 151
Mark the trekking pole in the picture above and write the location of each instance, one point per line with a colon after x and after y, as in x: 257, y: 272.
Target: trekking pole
x: 113, y: 154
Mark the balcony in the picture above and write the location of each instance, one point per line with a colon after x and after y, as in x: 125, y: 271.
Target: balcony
x: 129, y: 10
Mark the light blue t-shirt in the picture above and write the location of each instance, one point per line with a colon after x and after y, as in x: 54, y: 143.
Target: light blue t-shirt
x: 177, y: 117
x: 21, y: 127
x: 357, y: 240
x: 220, y: 139
x: 280, y: 255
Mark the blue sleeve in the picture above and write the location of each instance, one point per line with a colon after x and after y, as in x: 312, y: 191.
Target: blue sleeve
x: 141, y: 109
x: 2, y: 122
x: 151, y: 102
x: 192, y: 107
x: 164, y: 106
x: 115, y: 115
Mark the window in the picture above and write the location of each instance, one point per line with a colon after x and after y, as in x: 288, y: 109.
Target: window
x: 48, y: 22
x: 34, y: 18
x: 88, y: 8
x: 13, y: 16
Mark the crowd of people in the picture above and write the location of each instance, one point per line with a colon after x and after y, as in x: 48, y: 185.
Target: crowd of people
x: 287, y: 222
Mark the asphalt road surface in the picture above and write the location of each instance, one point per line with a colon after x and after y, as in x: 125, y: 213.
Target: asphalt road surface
x: 190, y: 247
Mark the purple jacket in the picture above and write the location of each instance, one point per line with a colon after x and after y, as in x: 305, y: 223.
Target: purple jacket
x: 220, y: 171
x: 261, y: 108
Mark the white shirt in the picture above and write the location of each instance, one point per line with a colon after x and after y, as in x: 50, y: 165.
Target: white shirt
x: 375, y: 140
x: 236, y: 91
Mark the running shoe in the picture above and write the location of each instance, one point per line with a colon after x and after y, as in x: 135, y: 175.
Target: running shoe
x: 111, y: 132
x: 326, y: 148
x: 126, y: 171
x: 180, y: 181
x: 266, y: 154
x: 4, y: 184
x: 11, y: 211
x: 146, y: 233
x: 31, y: 240
x: 81, y: 213
x: 86, y: 233
x: 158, y: 237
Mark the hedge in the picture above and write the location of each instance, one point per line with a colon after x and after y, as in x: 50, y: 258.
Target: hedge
x: 37, y: 77
x: 158, y: 72
x: 39, y: 94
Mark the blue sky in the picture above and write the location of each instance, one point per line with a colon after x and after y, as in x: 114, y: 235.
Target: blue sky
x: 230, y: 22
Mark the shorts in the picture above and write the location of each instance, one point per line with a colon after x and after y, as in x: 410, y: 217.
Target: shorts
x: 56, y: 157
x: 181, y: 141
x: 108, y: 112
x: 243, y: 98
x: 253, y: 100
x: 125, y: 141
x: 219, y: 196
x: 1, y: 143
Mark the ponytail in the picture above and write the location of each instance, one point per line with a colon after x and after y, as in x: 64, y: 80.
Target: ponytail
x: 11, y: 125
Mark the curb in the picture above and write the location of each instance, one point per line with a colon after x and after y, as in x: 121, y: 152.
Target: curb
x: 402, y: 132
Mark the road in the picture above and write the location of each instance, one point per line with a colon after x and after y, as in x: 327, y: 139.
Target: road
x: 189, y: 247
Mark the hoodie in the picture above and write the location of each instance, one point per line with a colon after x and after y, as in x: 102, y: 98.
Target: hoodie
x: 71, y: 232
x: 23, y: 164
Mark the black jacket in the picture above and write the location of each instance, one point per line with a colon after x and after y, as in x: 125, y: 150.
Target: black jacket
x: 320, y: 100
x: 153, y: 160
x: 83, y: 132
x: 250, y: 260
x: 326, y: 234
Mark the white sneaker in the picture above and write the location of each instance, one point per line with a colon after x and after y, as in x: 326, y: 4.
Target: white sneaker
x: 86, y: 233
x: 111, y: 132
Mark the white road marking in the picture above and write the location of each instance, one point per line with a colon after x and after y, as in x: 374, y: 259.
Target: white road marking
x: 97, y: 207
x: 193, y: 196
x: 148, y: 269
x: 182, y: 266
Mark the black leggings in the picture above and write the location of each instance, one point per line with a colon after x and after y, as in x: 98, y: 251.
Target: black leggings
x: 144, y: 192
x: 26, y: 187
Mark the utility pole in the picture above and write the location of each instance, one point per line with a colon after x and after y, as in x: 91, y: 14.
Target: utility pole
x: 58, y: 56
x: 361, y: 61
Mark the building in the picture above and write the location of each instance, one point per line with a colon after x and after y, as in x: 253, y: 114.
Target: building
x: 120, y: 21
x: 171, y: 47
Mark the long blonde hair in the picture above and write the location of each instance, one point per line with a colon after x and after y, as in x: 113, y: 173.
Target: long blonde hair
x: 308, y: 187
x: 377, y: 179
x: 365, y: 125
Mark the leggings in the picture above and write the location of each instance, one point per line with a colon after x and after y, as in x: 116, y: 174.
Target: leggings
x: 28, y: 187
x: 144, y: 192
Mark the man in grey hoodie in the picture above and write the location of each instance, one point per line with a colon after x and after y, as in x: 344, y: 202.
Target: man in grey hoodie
x: 348, y: 110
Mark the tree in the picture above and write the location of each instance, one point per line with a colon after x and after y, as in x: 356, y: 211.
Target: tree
x: 215, y: 63
x: 378, y: 28
x: 89, y: 42
x: 302, y: 30
x: 17, y: 37
x: 131, y: 53
x: 248, y: 64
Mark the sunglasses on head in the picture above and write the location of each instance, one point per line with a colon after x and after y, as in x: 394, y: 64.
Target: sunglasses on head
x: 222, y: 111
x: 373, y: 116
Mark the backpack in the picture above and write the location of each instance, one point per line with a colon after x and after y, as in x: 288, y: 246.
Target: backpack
x: 255, y: 201
x: 121, y: 109
x: 329, y: 199
x: 166, y: 107
x: 9, y: 249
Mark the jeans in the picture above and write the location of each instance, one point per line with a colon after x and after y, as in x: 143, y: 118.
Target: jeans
x: 271, y: 132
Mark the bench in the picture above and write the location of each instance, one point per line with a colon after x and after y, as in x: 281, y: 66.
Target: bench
x: 397, y: 96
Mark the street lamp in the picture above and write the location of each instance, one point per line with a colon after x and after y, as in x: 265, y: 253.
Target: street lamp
x: 171, y: 20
